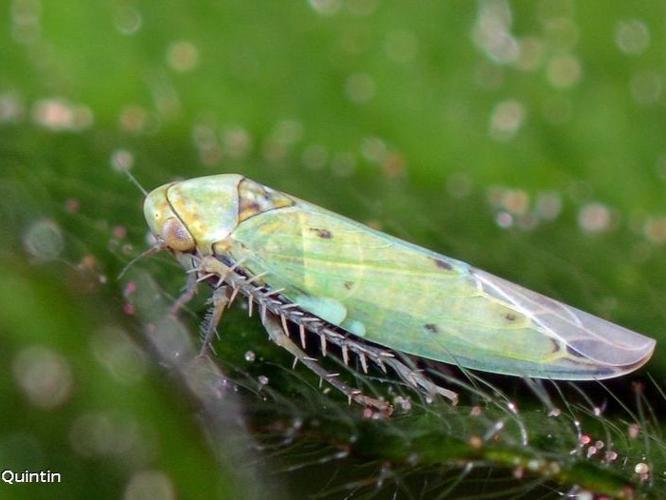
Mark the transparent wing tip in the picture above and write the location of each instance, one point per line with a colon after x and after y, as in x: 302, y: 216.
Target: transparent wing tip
x: 614, y: 361
x: 613, y: 345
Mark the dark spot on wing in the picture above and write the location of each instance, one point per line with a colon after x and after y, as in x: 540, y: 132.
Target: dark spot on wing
x: 349, y: 285
x: 431, y: 327
x: 510, y: 316
x: 322, y: 233
x: 574, y: 352
x: 442, y: 264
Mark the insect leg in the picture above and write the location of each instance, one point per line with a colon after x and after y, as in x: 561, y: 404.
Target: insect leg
x: 220, y: 300
x: 418, y: 381
x: 275, y: 332
x: 186, y: 296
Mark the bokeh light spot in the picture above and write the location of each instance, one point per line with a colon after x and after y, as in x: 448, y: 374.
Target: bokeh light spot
x: 632, y: 36
x: 360, y: 88
x: 530, y: 54
x: 182, y: 56
x: 122, y: 160
x: 44, y: 240
x: 594, y: 217
x: 655, y: 229
x: 150, y: 485
x: 127, y: 20
x: 44, y: 376
x: 492, y: 32
x: 106, y: 434
x: 237, y: 142
x: 506, y: 119
x: 11, y: 107
x: 60, y: 115
x: 564, y: 71
x: 325, y: 7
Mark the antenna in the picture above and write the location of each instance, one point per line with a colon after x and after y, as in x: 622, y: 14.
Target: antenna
x: 135, y: 182
x: 150, y: 251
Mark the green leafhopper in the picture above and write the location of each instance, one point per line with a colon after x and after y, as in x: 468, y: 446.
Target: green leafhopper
x: 372, y: 295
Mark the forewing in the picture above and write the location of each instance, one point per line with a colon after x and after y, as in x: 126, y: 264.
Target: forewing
x: 415, y: 301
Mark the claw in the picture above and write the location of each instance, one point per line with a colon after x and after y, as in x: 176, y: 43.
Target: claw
x: 364, y: 363
x: 301, y: 330
x: 283, y: 320
x: 322, y: 339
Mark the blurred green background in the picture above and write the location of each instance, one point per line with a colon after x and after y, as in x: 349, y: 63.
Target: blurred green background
x: 526, y: 138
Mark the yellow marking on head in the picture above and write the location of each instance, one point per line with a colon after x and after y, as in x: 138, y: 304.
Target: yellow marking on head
x: 207, y: 206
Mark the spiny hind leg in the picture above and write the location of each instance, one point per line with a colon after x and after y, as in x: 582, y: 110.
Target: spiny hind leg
x: 219, y: 300
x: 273, y: 326
x: 403, y: 367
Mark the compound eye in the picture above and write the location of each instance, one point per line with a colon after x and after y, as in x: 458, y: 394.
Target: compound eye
x: 176, y: 236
